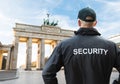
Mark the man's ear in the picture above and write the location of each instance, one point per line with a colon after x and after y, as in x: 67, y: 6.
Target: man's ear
x: 95, y: 23
x: 79, y: 22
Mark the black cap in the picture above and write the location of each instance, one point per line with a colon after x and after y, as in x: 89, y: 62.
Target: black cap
x: 87, y: 15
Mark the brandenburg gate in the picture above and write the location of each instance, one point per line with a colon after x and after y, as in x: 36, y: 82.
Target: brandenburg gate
x: 41, y: 35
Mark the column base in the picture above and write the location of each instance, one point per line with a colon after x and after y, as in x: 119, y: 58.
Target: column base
x: 28, y: 69
x: 39, y: 69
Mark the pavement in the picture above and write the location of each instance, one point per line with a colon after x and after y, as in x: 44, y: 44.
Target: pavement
x: 35, y: 77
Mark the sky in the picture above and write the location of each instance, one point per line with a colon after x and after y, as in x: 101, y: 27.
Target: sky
x: 65, y: 11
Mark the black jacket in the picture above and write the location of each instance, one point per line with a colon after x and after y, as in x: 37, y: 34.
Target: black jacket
x: 87, y: 59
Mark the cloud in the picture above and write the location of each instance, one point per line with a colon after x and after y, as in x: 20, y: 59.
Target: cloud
x: 53, y: 3
x: 109, y: 17
x: 65, y: 22
x: 110, y: 7
x: 6, y: 28
x: 108, y: 28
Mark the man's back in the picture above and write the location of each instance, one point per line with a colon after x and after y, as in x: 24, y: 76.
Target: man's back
x: 88, y: 59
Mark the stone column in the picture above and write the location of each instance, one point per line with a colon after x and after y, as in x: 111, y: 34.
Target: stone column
x: 38, y: 56
x: 42, y: 60
x: 58, y: 41
x: 8, y: 60
x: 11, y: 57
x: 29, y: 54
x: 53, y: 45
x: 1, y: 59
x: 14, y: 57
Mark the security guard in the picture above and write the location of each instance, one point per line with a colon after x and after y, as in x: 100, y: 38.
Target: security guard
x: 87, y: 58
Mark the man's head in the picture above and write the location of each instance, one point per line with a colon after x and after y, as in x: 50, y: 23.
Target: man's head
x: 87, y: 18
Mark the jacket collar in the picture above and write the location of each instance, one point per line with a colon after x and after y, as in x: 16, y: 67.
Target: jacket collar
x: 87, y: 31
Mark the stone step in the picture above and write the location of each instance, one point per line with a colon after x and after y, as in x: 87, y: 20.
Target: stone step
x: 8, y: 74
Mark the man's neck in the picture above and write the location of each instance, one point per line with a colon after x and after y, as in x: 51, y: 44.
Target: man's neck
x: 85, y: 26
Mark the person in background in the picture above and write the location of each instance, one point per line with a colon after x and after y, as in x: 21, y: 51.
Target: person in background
x: 87, y: 57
